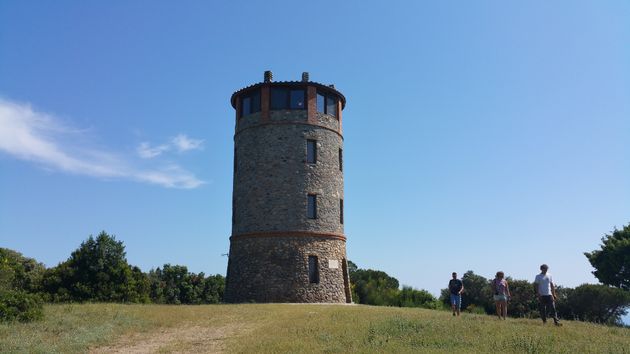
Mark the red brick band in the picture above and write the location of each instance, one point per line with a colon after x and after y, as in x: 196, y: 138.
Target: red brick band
x: 264, y: 104
x: 289, y: 123
x: 311, y: 105
x: 270, y: 234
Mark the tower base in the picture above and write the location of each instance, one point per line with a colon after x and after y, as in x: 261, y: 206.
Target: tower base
x: 287, y: 267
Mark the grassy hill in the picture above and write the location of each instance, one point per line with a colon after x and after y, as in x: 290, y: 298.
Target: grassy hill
x: 285, y: 328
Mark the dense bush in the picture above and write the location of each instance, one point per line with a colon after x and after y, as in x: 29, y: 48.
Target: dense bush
x: 18, y: 272
x: 96, y: 271
x: 20, y: 277
x: 523, y: 303
x: 409, y: 297
x: 20, y: 306
x: 595, y: 303
x: 175, y: 285
x: 375, y: 287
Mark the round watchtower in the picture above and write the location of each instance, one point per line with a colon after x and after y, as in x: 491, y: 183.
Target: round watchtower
x: 287, y: 242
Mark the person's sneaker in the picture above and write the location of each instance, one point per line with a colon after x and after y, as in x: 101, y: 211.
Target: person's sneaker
x: 558, y: 324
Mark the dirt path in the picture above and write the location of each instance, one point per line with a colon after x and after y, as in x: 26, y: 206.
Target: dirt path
x: 185, y: 339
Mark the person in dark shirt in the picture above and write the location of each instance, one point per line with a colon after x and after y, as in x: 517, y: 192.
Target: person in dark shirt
x: 456, y: 287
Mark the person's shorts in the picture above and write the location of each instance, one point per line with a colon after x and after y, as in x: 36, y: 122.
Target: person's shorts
x: 500, y: 297
x: 456, y: 300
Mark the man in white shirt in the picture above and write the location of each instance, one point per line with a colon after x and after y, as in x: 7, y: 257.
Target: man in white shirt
x: 546, y: 291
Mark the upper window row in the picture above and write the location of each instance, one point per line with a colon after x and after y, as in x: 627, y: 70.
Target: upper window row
x: 327, y: 104
x: 285, y: 98
x: 250, y: 103
x: 282, y: 98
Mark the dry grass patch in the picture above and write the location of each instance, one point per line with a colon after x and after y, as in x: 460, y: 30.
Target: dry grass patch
x: 183, y: 339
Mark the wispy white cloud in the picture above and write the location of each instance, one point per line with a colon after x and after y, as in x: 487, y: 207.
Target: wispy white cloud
x: 39, y: 137
x: 147, y: 152
x: 180, y: 143
x: 183, y: 143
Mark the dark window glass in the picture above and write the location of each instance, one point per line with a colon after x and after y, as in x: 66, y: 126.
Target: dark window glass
x: 340, y: 160
x: 313, y: 270
x: 341, y: 211
x: 246, y: 105
x: 311, y: 210
x: 311, y: 151
x: 255, y: 102
x: 321, y: 103
x: 297, y: 99
x: 331, y: 106
x: 279, y: 98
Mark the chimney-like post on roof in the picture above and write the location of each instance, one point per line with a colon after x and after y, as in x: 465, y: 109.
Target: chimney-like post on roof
x: 331, y: 86
x: 305, y: 76
x: 268, y: 76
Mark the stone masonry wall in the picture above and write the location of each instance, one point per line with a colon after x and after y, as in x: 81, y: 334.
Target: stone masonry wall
x: 276, y: 270
x: 272, y: 179
x: 250, y: 120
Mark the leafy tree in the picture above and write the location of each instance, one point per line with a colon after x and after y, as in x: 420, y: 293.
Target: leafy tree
x: 597, y: 303
x: 142, y: 285
x: 477, y: 291
x: 564, y: 307
x: 96, y: 271
x: 213, y: 288
x: 374, y: 287
x: 523, y: 303
x: 352, y: 267
x: 18, y: 272
x: 612, y: 261
x: 173, y: 284
x: 410, y: 297
x: 20, y: 279
x: 168, y: 284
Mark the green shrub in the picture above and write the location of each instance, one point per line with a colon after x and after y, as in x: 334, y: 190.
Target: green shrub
x: 173, y: 284
x: 410, y: 297
x: 96, y: 271
x: 18, y: 272
x: 20, y: 306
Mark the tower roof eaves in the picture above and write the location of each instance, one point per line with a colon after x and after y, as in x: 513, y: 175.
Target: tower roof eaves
x: 281, y: 83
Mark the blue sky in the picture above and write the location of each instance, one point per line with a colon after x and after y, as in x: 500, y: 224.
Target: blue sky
x: 479, y: 136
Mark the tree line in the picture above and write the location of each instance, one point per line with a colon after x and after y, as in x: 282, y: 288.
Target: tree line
x: 588, y: 302
x: 97, y: 271
x: 604, y: 303
x: 375, y: 287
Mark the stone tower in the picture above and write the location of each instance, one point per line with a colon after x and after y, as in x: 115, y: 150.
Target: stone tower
x: 287, y: 242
